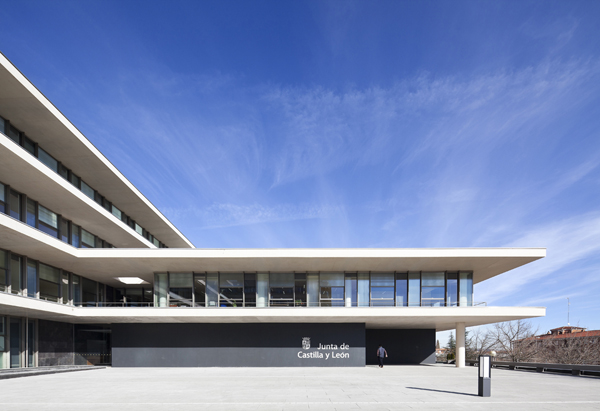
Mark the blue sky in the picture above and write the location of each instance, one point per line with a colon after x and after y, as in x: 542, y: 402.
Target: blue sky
x: 346, y: 124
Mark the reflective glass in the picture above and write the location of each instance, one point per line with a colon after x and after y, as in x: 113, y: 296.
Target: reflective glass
x: 116, y: 212
x: 312, y: 285
x: 15, y: 274
x: 76, y: 290
x: 232, y: 279
x: 139, y: 229
x: 73, y: 179
x: 160, y: 290
x: 31, y: 279
x: 414, y: 289
x: 466, y: 289
x: 351, y: 290
x: 88, y: 239
x: 433, y: 296
x: 363, y: 289
x: 65, y: 288
x: 382, y: 279
x: 262, y: 289
x: 31, y: 343
x: 49, y: 282
x: 31, y: 213
x: 212, y: 289
x: 89, y: 292
x: 200, y: 290
x: 15, y: 205
x: 281, y: 280
x: 75, y: 235
x: 48, y: 221
x: 250, y: 290
x: 180, y: 289
x: 332, y: 279
x: 432, y: 279
x: 64, y: 230
x: 87, y: 190
x: 15, y: 343
x: 29, y: 145
x: 48, y: 160
x: 13, y: 133
x: 401, y: 289
x: 2, y: 192
x: 452, y: 289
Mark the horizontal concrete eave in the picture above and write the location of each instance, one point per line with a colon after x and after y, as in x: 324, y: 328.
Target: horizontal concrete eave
x: 439, y: 318
x: 31, y: 112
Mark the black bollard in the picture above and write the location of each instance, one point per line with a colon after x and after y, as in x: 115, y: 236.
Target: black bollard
x: 485, y: 376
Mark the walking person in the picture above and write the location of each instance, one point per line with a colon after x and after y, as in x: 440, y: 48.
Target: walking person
x: 380, y: 353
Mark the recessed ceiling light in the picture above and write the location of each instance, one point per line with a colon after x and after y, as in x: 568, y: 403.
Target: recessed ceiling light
x: 131, y: 280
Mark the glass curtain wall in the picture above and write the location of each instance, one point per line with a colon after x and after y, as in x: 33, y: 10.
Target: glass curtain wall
x: 16, y: 274
x: 16, y: 342
x: 300, y: 290
x: 64, y: 285
x: 433, y: 289
x: 452, y: 289
x: 180, y: 289
x: 231, y: 290
x: 3, y: 343
x: 402, y: 290
x: 414, y: 289
x: 382, y: 289
x: 466, y: 289
x: 262, y: 289
x: 281, y: 289
x: 3, y: 271
x: 160, y: 290
x: 364, y: 289
x: 312, y: 286
x: 32, y: 275
x: 89, y: 292
x: 332, y: 289
x: 351, y: 290
x: 199, y: 289
x: 212, y: 289
x: 49, y: 283
x: 249, y: 290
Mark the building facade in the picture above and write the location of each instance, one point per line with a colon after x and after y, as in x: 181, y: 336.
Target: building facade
x: 92, y: 273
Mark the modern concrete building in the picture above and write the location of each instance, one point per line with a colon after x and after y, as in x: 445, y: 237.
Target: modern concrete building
x: 92, y: 272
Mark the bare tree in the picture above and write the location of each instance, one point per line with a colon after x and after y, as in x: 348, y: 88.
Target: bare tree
x: 479, y: 342
x: 515, y: 341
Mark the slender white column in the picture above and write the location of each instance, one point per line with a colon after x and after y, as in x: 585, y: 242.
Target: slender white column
x: 460, y: 345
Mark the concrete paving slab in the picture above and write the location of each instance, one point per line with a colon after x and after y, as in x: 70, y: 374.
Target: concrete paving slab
x: 287, y: 389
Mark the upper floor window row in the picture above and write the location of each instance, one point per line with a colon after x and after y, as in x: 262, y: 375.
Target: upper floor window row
x: 34, y: 149
x: 29, y: 211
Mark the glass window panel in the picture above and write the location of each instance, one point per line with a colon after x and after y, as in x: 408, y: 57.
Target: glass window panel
x: 232, y: 279
x: 262, y: 289
x: 15, y: 274
x: 281, y: 280
x: 75, y: 180
x: 31, y: 213
x: 156, y: 242
x: 64, y: 230
x: 414, y: 289
x: 31, y: 339
x: 3, y: 262
x: 312, y: 285
x: 76, y: 290
x: 466, y: 289
x: 48, y: 217
x: 351, y: 290
x: 332, y: 279
x: 160, y: 289
x: 15, y: 204
x: 49, y: 273
x: 15, y: 343
x: 402, y: 290
x: 89, y: 292
x: 64, y: 283
x: 212, y: 289
x: 139, y: 229
x: 231, y: 296
x: 2, y: 192
x: 180, y: 280
x: 200, y: 290
x: 116, y: 212
x: 382, y: 279
x: 48, y: 160
x: 29, y: 145
x: 75, y: 235
x: 13, y: 133
x: 87, y: 190
x: 432, y: 279
x: 88, y: 239
x: 31, y: 279
x: 300, y: 290
x: 363, y: 289
x: 63, y: 171
x: 382, y: 292
x: 3, y: 130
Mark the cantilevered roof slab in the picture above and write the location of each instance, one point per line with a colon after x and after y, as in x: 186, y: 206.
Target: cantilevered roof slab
x: 105, y: 265
x: 31, y: 112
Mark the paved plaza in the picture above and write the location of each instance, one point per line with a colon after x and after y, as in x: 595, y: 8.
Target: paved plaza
x: 437, y: 387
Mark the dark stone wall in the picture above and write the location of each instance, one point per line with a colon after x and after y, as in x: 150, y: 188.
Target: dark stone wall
x: 237, y: 345
x: 55, y: 343
x: 402, y: 346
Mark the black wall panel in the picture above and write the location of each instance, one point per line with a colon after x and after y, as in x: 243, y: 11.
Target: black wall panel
x: 402, y: 346
x: 237, y: 345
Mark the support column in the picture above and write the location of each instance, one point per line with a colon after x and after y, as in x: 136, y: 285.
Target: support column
x: 460, y: 345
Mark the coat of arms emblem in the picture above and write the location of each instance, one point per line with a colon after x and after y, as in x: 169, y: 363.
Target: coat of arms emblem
x: 305, y: 343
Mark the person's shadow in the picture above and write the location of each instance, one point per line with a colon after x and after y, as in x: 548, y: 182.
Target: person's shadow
x: 447, y: 392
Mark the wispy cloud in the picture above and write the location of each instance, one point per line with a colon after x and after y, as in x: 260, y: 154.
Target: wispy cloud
x: 228, y: 215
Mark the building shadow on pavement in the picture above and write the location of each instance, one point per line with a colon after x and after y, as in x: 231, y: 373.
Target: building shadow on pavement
x: 447, y: 392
